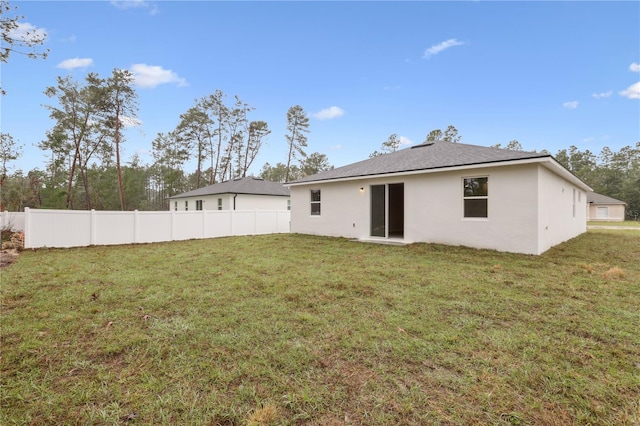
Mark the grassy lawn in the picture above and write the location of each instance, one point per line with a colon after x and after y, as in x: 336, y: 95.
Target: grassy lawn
x: 607, y: 223
x: 292, y: 329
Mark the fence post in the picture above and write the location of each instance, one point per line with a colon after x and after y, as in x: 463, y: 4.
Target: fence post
x: 204, y: 234
x: 135, y: 226
x: 173, y: 215
x: 92, y: 229
x: 27, y: 227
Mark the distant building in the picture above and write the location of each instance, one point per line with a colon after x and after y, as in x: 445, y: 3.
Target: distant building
x: 601, y: 207
x: 247, y: 193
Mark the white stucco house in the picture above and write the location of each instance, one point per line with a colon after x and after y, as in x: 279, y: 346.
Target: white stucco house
x: 448, y: 193
x: 602, y: 207
x: 247, y: 193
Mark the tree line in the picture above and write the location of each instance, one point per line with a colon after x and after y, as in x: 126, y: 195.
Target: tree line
x: 84, y: 168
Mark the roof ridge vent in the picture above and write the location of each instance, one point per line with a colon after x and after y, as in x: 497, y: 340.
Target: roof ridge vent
x: 423, y: 144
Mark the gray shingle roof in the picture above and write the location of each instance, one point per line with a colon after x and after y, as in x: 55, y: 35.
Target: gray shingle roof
x: 595, y: 198
x: 245, y: 185
x: 427, y: 156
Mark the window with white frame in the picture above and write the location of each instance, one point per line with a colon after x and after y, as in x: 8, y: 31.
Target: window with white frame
x: 602, y: 212
x: 288, y: 204
x: 476, y: 197
x: 186, y: 205
x: 315, y: 202
x: 175, y: 205
x: 219, y: 203
x: 198, y: 204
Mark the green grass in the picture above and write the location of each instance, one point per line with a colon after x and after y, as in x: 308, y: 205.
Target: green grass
x: 292, y: 329
x: 609, y: 223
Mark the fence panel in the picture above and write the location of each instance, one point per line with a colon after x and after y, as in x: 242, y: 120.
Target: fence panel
x: 57, y: 228
x: 153, y: 227
x: 217, y: 223
x: 110, y: 227
x: 12, y: 221
x: 73, y: 228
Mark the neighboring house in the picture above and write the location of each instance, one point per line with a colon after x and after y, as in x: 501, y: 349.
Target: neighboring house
x: 247, y: 193
x: 601, y: 207
x: 449, y: 193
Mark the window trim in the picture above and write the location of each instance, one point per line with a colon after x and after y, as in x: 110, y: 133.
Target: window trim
x: 475, y: 197
x: 317, y: 202
x: 602, y: 208
x: 219, y: 203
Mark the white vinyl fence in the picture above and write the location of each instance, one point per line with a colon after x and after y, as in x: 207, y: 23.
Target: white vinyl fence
x: 12, y: 221
x: 74, y: 228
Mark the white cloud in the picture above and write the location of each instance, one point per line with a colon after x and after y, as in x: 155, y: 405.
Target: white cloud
x: 405, y: 141
x: 152, y: 75
x: 602, y: 95
x: 571, y: 105
x: 329, y: 113
x: 135, y: 4
x: 632, y: 92
x: 434, y: 50
x: 634, y: 67
x: 25, y: 32
x: 337, y: 147
x: 69, y: 64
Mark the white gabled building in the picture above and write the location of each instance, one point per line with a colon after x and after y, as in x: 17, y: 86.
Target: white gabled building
x: 448, y: 193
x: 247, y: 193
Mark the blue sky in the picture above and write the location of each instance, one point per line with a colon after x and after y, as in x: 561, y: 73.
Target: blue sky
x: 549, y: 74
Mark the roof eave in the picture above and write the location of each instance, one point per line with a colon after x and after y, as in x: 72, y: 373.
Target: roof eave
x: 553, y: 164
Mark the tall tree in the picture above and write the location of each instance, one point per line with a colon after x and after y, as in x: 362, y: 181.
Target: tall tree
x: 9, y: 152
x: 79, y: 119
x: 434, y: 135
x: 215, y: 108
x: 513, y: 145
x: 390, y: 145
x: 120, y: 109
x: 278, y: 173
x: 238, y: 125
x: 449, y: 135
x: 60, y: 151
x: 297, y: 126
x: 170, y: 154
x: 196, y: 129
x: 257, y: 132
x: 16, y: 41
x: 314, y: 163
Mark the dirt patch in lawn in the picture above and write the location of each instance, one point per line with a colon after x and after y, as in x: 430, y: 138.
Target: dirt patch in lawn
x: 11, y: 248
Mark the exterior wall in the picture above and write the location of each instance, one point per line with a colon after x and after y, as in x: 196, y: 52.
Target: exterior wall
x: 242, y: 202
x: 562, y: 215
x: 261, y: 202
x: 433, y: 209
x: 616, y: 212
